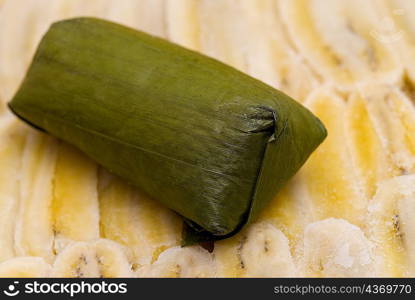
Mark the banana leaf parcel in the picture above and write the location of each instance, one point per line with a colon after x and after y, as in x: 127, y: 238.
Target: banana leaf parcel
x: 208, y: 141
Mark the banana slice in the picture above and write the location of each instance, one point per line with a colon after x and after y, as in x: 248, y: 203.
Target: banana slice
x: 12, y: 136
x: 182, y: 22
x: 337, y: 39
x: 34, y: 227
x: 260, y: 251
x: 406, y: 207
x: 330, y: 177
x: 391, y: 226
x: 134, y: 220
x: 76, y: 260
x: 393, y: 115
x: 113, y: 259
x: 336, y: 248
x: 100, y: 258
x: 370, y: 158
x: 266, y: 253
x: 75, y: 202
x: 29, y: 267
x: 181, y: 262
x: 227, y: 256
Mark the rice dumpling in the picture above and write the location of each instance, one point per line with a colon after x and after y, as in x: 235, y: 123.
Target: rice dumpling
x: 208, y: 141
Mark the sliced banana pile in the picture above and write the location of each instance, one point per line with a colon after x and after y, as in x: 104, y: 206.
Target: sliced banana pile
x: 347, y: 213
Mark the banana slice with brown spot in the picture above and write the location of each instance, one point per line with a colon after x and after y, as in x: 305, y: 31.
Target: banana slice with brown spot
x: 78, y: 259
x: 330, y: 177
x: 75, y: 203
x: 406, y: 207
x: 259, y: 251
x: 114, y: 260
x: 34, y: 226
x: 266, y: 252
x: 336, y: 38
x: 132, y: 219
x: 181, y: 262
x: 336, y: 248
x: 391, y: 226
x: 12, y: 137
x: 25, y: 267
x: 99, y: 258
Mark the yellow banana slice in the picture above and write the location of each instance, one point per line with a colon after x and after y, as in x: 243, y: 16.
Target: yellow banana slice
x: 329, y: 174
x: 371, y: 160
x: 259, y: 251
x: 75, y: 201
x: 266, y: 252
x: 393, y: 115
x: 78, y: 259
x: 20, y: 267
x: 100, y: 258
x: 391, y: 226
x: 113, y: 259
x: 134, y: 220
x: 12, y: 136
x: 34, y: 227
x: 336, y: 248
x: 406, y: 207
x: 181, y: 262
x: 337, y: 39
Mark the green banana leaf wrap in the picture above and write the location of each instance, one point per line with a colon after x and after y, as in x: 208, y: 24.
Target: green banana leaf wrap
x: 208, y: 141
